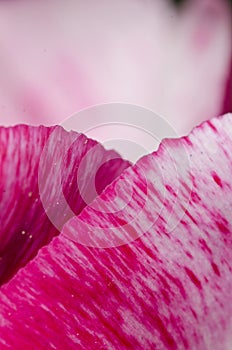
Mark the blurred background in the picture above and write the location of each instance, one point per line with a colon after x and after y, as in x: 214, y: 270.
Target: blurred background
x: 60, y: 56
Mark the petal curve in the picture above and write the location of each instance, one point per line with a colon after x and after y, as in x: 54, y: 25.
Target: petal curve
x: 25, y: 227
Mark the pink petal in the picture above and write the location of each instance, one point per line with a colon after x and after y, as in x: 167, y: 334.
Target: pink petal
x: 228, y: 96
x: 168, y: 289
x: 29, y: 152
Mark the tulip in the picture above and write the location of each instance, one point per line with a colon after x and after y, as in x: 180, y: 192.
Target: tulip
x: 96, y: 253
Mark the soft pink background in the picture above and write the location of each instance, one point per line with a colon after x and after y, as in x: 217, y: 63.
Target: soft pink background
x: 58, y: 57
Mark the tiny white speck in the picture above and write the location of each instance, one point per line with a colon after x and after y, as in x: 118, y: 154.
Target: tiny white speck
x: 23, y: 232
x: 86, y: 141
x: 30, y: 194
x: 30, y: 236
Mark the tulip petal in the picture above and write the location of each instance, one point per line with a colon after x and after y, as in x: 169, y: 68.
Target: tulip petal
x: 30, y: 161
x: 168, y: 289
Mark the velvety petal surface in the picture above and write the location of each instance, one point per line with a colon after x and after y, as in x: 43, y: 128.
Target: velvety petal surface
x: 45, y: 173
x: 168, y: 289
